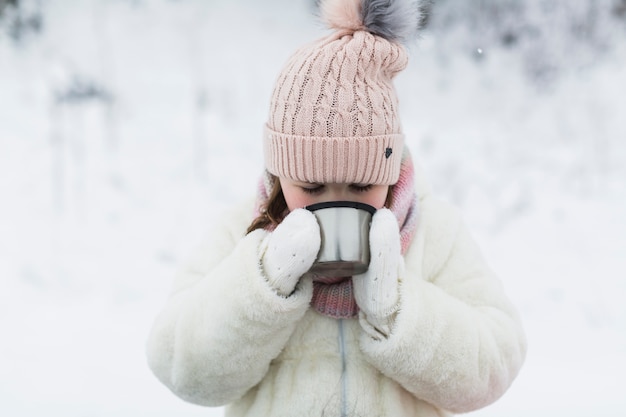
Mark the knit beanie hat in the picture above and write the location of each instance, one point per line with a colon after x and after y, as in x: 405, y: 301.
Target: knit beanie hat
x: 334, y: 111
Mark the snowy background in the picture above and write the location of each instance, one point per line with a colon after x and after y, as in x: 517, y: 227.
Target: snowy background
x: 127, y: 126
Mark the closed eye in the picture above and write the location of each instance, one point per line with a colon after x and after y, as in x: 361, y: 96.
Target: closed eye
x: 360, y: 188
x: 313, y: 189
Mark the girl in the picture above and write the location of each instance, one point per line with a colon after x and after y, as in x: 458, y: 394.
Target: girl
x: 426, y: 331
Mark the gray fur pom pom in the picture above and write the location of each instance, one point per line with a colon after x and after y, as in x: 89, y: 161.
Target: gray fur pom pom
x: 394, y: 20
x: 391, y: 19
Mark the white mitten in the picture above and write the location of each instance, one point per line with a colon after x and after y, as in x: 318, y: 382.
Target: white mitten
x: 376, y: 291
x: 290, y: 250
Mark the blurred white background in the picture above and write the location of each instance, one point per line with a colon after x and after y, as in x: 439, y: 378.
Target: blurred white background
x: 127, y: 126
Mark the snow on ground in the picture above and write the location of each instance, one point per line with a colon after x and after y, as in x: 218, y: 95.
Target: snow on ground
x: 101, y: 200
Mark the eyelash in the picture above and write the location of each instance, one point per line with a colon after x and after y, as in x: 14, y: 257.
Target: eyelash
x: 354, y: 187
x: 315, y: 190
x: 361, y: 188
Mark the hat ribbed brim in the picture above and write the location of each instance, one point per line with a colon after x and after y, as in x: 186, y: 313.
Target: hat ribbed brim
x: 354, y: 160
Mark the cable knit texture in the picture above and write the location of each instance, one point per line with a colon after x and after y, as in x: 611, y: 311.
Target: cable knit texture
x: 334, y: 112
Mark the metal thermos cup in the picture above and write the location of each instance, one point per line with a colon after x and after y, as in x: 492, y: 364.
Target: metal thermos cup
x: 344, y: 227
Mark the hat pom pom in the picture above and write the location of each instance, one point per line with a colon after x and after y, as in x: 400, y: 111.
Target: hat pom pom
x: 342, y: 14
x: 394, y: 20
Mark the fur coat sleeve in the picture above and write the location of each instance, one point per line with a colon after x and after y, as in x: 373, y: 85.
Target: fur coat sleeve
x: 222, y: 324
x: 457, y: 342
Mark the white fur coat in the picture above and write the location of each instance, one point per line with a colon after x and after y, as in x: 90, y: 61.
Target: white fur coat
x: 225, y: 337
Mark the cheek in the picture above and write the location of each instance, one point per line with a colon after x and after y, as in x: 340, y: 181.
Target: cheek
x: 377, y: 197
x: 296, y: 199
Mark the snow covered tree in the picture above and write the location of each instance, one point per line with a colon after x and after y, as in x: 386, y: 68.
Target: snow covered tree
x: 20, y: 19
x: 550, y: 35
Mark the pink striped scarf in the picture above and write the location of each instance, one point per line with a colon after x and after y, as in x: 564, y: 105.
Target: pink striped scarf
x: 333, y: 296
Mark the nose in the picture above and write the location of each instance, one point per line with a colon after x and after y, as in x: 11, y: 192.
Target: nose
x: 337, y: 196
x: 339, y: 192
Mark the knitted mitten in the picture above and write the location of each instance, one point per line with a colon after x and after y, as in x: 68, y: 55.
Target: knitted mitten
x: 376, y: 290
x: 290, y: 250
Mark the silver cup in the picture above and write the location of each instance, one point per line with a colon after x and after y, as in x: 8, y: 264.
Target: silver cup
x: 344, y: 227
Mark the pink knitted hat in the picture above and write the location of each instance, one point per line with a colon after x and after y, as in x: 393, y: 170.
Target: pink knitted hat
x: 334, y: 111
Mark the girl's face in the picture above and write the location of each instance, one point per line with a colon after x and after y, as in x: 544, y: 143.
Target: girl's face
x: 299, y: 194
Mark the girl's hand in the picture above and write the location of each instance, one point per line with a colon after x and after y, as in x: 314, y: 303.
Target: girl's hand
x: 376, y: 290
x: 290, y: 250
